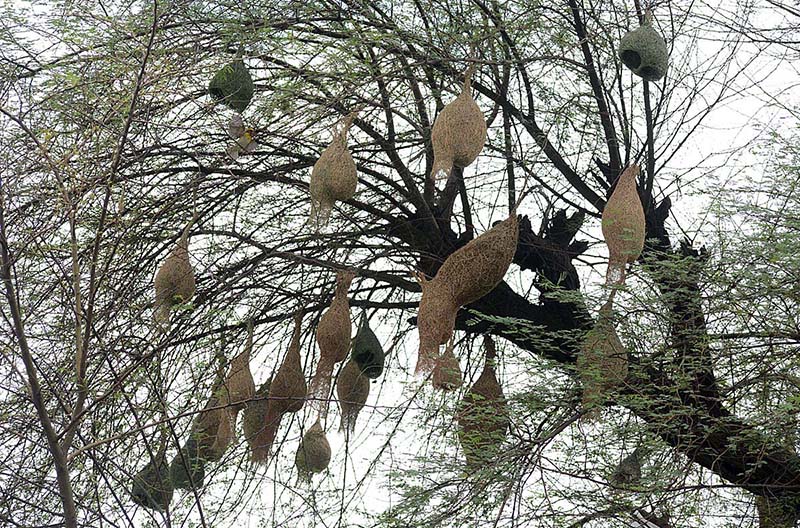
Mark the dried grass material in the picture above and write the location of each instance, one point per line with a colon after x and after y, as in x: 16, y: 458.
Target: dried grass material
x: 187, y: 470
x: 313, y: 454
x: 468, y: 274
x: 644, y: 52
x: 628, y: 472
x: 603, y: 361
x: 233, y: 86
x: 352, y: 388
x: 483, y: 414
x: 459, y: 132
x: 214, y: 429
x: 334, y: 175
x: 447, y: 372
x: 175, y: 281
x: 239, y: 385
x: 623, y: 225
x: 254, y: 420
x: 152, y: 487
x: 367, y: 350
x: 333, y: 338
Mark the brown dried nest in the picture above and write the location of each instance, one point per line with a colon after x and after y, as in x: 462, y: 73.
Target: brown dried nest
x: 623, y: 225
x: 213, y: 427
x: 334, y: 177
x: 333, y: 337
x: 239, y: 386
x: 468, y: 274
x: 175, y: 281
x: 314, y: 453
x: 459, y: 132
x: 447, y: 371
x: 254, y: 421
x: 483, y: 416
x: 603, y: 361
x: 352, y: 388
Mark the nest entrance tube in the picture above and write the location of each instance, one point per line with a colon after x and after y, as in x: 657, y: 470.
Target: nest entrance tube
x: 447, y: 371
x: 333, y: 338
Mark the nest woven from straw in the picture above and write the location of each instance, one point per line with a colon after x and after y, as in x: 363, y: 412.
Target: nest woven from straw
x: 289, y: 389
x: 459, y: 132
x: 233, y: 86
x: 333, y: 338
x: 334, y: 176
x: 152, y: 487
x: 623, y: 225
x: 644, y: 52
x: 314, y: 453
x: 447, y: 371
x: 352, y: 388
x: 367, y: 350
x: 483, y: 417
x: 468, y: 274
x: 254, y: 421
x: 239, y: 386
x: 628, y: 472
x: 174, y: 281
x: 603, y: 361
x: 187, y: 469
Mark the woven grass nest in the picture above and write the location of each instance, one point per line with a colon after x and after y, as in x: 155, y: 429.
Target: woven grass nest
x: 254, y: 421
x: 447, y: 371
x: 644, y: 51
x: 483, y: 417
x: 333, y: 338
x: 623, y: 225
x: 233, y: 86
x: 187, y: 469
x: 602, y: 363
x: 213, y: 427
x: 239, y: 386
x: 314, y: 453
x: 174, y: 281
x: 468, y: 274
x: 352, y: 388
x: 459, y: 132
x: 334, y: 177
x: 367, y: 350
x: 628, y: 472
x: 287, y: 394
x: 152, y: 487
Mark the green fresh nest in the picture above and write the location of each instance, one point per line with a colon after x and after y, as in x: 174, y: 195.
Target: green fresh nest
x: 233, y: 86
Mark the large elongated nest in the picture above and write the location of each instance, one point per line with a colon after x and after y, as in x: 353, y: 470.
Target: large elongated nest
x: 174, y: 281
x: 458, y: 133
x: 334, y: 177
x: 623, y: 225
x: 254, y: 422
x: 233, y: 86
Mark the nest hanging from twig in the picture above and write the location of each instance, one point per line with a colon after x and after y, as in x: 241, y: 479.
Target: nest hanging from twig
x: 233, y: 86
x: 254, y: 421
x: 483, y: 416
x: 459, y: 132
x: 623, y: 225
x: 174, y: 281
x: 447, y: 371
x: 187, y: 470
x: 152, y: 487
x: 367, y: 350
x: 334, y: 177
x: 314, y: 453
x: 352, y: 388
x: 644, y: 51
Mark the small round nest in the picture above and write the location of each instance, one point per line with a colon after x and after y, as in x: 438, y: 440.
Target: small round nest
x: 187, y: 469
x: 233, y: 86
x: 645, y: 53
x: 314, y: 453
x: 367, y: 350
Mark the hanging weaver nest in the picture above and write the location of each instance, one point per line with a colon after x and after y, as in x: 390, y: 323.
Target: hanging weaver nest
x: 239, y: 386
x: 213, y: 426
x: 333, y: 338
x: 254, y: 420
x: 628, y: 472
x: 334, y: 175
x: 623, y: 225
x: 187, y: 470
x: 286, y: 395
x: 447, y: 371
x: 483, y: 414
x: 458, y: 133
x: 644, y: 51
x: 367, y: 350
x: 233, y: 86
x: 352, y: 388
x: 468, y: 274
x: 313, y: 454
x: 152, y: 487
x: 175, y: 281
x: 603, y: 361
